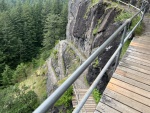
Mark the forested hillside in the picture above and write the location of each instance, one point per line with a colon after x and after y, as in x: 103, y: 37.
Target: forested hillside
x: 26, y: 28
x: 29, y: 29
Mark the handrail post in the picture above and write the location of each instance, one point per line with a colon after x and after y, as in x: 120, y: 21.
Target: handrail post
x: 122, y: 42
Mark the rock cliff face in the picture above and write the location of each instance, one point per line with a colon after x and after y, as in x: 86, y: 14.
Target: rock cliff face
x: 90, y: 23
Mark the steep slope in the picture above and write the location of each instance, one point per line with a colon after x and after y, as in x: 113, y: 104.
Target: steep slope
x: 90, y: 23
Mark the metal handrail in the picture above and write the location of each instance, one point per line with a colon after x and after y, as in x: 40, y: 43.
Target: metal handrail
x: 49, y: 102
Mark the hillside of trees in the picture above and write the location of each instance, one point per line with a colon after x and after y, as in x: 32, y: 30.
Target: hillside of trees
x: 29, y: 29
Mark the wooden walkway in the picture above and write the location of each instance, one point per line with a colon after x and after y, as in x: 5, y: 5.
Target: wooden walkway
x: 89, y: 106
x: 129, y: 88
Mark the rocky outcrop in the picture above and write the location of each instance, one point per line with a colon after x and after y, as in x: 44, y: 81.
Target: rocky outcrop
x: 89, y: 26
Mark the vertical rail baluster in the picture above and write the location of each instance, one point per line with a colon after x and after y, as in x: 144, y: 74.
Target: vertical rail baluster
x: 122, y: 43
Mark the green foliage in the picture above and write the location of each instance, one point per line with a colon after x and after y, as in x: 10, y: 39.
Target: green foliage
x: 93, y: 2
x: 124, y: 48
x: 3, y: 6
x: 52, y: 30
x: 139, y: 29
x: 14, y: 100
x: 126, y: 15
x: 7, y: 76
x: 123, y: 16
x: 66, y: 98
x: 20, y: 73
x: 55, y: 52
x: 96, y: 63
x: 113, y: 5
x: 96, y: 94
x: 95, y: 31
x: 25, y: 27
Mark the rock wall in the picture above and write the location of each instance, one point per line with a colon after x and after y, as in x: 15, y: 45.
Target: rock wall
x: 89, y: 26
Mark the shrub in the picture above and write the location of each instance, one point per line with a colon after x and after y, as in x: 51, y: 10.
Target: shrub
x: 14, y: 100
x: 123, y: 16
x: 66, y: 98
x: 96, y: 94
x: 126, y: 15
x: 20, y: 73
x: 7, y: 76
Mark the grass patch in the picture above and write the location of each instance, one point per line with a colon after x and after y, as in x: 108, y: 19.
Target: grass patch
x: 123, y: 16
x: 126, y: 15
x: 96, y: 95
x: 95, y: 30
x: 124, y: 48
x: 54, y: 53
x: 94, y: 2
x: 140, y: 28
x: 96, y: 63
x: 37, y: 84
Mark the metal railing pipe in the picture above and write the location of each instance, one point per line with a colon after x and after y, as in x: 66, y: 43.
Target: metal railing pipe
x: 88, y: 93
x: 49, y: 102
x: 122, y: 42
x: 130, y: 33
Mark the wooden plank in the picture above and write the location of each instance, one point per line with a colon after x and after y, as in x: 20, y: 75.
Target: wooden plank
x: 139, y: 49
x: 96, y: 111
x: 105, y: 108
x: 132, y: 76
x: 129, y: 94
x: 141, y: 38
x: 140, y: 55
x: 135, y: 68
x: 137, y: 58
x: 127, y: 101
x: 143, y: 51
x: 132, y: 82
x: 130, y: 87
x: 131, y: 63
x: 146, y: 39
x: 135, y: 72
x: 139, y: 45
x: 137, y: 52
x: 145, y: 42
x: 117, y: 105
x: 137, y: 61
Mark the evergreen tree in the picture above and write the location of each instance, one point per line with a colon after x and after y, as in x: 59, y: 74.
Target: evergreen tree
x: 28, y: 25
x: 20, y: 73
x: 57, y: 6
x: 7, y: 76
x: 52, y: 30
x: 3, y: 6
x: 25, y: 100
